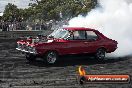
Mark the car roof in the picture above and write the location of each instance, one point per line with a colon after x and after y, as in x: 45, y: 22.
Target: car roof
x: 78, y: 29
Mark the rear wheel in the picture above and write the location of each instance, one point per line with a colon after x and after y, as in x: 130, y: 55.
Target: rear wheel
x: 100, y: 54
x: 30, y: 57
x: 51, y: 57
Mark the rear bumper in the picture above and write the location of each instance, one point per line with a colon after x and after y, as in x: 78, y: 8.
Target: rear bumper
x: 112, y: 50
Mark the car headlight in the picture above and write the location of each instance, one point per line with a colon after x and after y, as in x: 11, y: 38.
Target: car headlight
x: 19, y: 45
x: 32, y: 49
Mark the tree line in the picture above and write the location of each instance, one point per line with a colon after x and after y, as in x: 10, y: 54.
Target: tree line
x: 45, y: 10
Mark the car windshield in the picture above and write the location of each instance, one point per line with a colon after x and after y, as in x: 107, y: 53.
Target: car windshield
x: 60, y: 33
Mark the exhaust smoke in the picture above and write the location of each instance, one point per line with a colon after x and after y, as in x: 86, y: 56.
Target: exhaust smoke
x: 114, y: 19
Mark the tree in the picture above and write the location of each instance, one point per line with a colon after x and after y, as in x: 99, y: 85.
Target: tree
x: 49, y: 9
x: 11, y: 12
x: 37, y: 1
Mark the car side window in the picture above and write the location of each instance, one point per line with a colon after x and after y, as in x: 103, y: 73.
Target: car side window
x: 70, y: 36
x: 91, y: 35
x: 79, y: 35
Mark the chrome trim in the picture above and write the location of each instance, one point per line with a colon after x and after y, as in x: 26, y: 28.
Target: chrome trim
x: 26, y: 51
x: 18, y: 49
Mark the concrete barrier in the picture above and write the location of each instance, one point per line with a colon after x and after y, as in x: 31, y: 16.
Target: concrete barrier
x: 17, y: 34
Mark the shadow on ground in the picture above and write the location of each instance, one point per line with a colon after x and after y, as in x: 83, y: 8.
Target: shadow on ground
x: 77, y: 60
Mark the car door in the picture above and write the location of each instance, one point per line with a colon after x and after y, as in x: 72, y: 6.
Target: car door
x: 76, y: 43
x: 92, y: 42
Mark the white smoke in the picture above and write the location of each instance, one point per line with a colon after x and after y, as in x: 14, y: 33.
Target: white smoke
x: 114, y: 19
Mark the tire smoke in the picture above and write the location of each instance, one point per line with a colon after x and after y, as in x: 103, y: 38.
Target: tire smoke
x: 114, y: 19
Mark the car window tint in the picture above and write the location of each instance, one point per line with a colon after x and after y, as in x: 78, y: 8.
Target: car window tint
x: 91, y: 35
x: 79, y: 35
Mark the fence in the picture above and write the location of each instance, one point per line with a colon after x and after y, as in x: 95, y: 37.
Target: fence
x: 18, y: 29
x: 12, y: 26
x: 17, y: 34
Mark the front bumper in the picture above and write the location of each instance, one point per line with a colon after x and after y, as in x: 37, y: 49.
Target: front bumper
x: 25, y: 51
x: 26, y: 48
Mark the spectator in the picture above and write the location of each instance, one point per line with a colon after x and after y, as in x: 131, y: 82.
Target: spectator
x: 43, y: 26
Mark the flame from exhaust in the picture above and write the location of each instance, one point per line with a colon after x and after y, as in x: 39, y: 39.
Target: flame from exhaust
x: 82, y: 72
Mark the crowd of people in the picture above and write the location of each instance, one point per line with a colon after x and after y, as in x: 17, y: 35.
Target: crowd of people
x: 7, y: 26
x: 16, y: 26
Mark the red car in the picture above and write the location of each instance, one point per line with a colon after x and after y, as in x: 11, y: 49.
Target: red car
x: 69, y: 40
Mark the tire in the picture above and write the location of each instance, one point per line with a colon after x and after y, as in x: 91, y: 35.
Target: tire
x: 30, y: 57
x: 100, y: 54
x: 51, y: 57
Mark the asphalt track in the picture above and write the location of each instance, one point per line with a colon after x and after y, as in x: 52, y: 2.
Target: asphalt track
x: 17, y: 72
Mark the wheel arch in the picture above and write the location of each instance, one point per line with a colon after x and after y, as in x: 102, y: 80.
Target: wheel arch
x: 51, y: 51
x: 102, y: 47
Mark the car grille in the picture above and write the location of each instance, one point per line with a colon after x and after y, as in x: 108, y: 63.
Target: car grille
x: 19, y: 46
x: 24, y: 47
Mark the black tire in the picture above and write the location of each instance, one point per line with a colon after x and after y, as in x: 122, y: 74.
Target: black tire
x: 50, y: 57
x: 30, y: 57
x: 100, y: 54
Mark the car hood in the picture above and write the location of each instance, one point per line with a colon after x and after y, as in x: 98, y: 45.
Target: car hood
x: 36, y: 40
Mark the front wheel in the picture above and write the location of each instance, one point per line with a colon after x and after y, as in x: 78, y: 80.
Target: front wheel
x: 51, y: 57
x: 100, y: 54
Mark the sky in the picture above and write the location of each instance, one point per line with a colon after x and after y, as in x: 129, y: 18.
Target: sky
x: 19, y: 3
